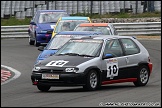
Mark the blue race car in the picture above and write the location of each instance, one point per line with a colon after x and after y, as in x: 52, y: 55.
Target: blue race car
x: 60, y: 39
x: 41, y: 25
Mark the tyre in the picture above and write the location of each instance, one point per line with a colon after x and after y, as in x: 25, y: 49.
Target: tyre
x: 143, y: 76
x: 36, y: 43
x: 31, y: 42
x: 43, y: 88
x: 92, y: 81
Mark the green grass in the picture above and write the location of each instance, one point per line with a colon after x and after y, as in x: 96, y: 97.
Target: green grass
x: 13, y: 21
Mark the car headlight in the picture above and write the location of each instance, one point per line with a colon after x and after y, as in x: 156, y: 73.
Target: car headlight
x: 71, y: 69
x: 36, y: 69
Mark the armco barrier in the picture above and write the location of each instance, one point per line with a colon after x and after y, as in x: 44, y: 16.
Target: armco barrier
x: 135, y: 29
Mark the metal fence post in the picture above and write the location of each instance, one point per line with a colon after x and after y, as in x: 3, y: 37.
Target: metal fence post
x: 47, y: 5
x: 77, y: 6
x: 124, y: 7
x: 55, y: 5
x: 100, y: 8
x: 91, y: 7
x: 136, y: 6
x: 11, y: 9
x: 147, y: 6
x: 33, y: 8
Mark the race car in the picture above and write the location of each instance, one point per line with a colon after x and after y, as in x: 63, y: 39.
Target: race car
x: 69, y: 23
x: 61, y: 38
x: 94, y: 61
x: 42, y: 22
x: 105, y: 28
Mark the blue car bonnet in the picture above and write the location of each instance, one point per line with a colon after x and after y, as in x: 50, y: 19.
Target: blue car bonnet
x: 46, y: 26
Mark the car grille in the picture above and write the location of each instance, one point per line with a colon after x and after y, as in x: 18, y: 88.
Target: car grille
x: 51, y: 71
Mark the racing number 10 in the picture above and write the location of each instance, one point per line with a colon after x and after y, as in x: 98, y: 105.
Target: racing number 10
x: 58, y: 63
x: 112, y: 68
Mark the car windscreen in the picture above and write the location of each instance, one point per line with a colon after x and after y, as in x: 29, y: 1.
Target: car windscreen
x: 88, y: 47
x: 58, y: 41
x: 71, y: 24
x: 50, y: 17
x: 104, y: 30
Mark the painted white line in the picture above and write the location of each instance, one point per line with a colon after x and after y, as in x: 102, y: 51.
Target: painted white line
x: 17, y: 74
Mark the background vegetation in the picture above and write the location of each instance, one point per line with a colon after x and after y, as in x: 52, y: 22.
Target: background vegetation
x: 13, y: 21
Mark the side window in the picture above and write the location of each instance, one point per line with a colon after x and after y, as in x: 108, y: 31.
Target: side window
x: 113, y: 47
x: 130, y: 46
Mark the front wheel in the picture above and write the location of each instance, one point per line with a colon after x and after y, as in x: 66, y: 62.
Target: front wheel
x: 92, y: 82
x: 43, y: 88
x: 143, y: 76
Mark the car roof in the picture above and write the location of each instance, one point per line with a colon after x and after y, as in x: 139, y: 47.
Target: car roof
x: 93, y: 24
x: 51, y: 10
x: 104, y: 37
x: 78, y: 33
x: 74, y: 18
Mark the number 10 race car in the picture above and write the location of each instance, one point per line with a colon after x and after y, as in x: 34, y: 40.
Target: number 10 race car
x: 94, y: 61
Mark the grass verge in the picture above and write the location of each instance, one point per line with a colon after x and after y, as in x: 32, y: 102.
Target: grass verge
x: 13, y: 21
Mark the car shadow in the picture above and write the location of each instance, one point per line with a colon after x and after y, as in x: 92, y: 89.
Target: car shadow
x: 80, y: 89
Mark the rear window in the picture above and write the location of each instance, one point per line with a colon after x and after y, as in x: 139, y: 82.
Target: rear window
x: 130, y: 46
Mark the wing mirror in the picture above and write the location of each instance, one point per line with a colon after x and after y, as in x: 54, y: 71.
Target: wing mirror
x: 106, y: 56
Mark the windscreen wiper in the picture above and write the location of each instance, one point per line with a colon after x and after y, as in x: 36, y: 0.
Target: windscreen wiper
x: 86, y: 55
x: 71, y: 54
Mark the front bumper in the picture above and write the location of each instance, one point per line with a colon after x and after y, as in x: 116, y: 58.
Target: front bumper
x: 43, y: 38
x: 65, y: 79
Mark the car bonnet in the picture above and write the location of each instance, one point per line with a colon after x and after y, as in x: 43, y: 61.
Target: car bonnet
x: 45, y: 26
x: 71, y: 61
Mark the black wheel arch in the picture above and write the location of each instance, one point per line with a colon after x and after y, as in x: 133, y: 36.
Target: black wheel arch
x: 145, y: 64
x: 96, y: 69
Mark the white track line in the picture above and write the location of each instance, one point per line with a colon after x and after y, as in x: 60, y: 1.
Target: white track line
x: 17, y: 74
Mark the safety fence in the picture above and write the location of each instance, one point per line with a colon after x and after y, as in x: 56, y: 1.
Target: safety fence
x: 127, y: 29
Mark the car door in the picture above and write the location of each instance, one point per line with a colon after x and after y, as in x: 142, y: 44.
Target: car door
x: 132, y: 55
x: 113, y: 68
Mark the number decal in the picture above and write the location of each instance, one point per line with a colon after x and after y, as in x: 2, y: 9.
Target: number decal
x: 58, y: 63
x: 112, y: 68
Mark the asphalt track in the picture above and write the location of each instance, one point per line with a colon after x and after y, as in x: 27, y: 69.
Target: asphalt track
x: 19, y: 56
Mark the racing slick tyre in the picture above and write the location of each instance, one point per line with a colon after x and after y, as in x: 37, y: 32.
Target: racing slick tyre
x: 143, y: 76
x: 43, y: 88
x: 31, y: 42
x: 92, y: 81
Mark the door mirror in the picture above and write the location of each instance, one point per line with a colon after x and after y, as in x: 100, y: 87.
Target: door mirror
x: 106, y: 56
x: 41, y: 48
